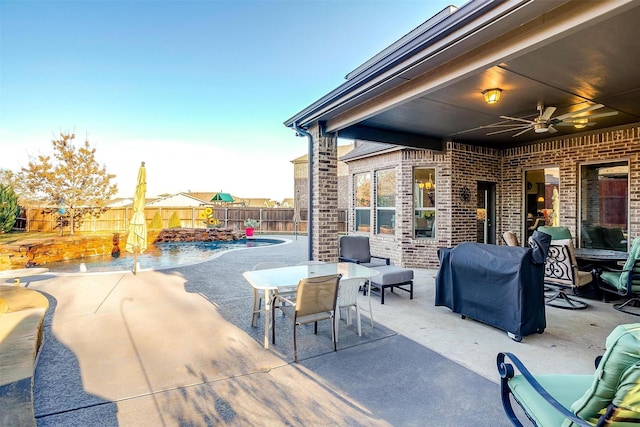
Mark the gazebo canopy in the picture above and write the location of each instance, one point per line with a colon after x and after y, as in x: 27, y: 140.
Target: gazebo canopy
x: 222, y: 197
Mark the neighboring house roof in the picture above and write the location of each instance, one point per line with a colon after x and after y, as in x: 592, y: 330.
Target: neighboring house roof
x: 287, y: 203
x: 116, y: 203
x: 366, y: 149
x: 177, y: 200
x: 342, y: 150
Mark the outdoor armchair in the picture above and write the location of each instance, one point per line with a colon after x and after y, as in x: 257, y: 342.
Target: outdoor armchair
x: 315, y: 300
x: 561, y: 270
x: 510, y: 238
x: 625, y: 282
x: 608, y: 397
x: 356, y: 249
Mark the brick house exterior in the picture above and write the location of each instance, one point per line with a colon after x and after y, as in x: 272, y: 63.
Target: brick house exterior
x: 463, y: 165
x: 425, y: 95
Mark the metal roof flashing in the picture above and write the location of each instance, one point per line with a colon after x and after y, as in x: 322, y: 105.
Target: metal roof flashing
x: 404, y: 40
x: 442, y: 25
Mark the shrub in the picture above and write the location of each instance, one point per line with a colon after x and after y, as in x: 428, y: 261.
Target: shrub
x: 9, y: 208
x: 174, y: 221
x: 156, y: 222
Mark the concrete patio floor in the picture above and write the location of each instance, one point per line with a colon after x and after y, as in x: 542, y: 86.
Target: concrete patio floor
x: 175, y: 347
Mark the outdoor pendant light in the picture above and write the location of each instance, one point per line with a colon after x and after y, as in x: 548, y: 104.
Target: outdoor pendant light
x: 491, y: 96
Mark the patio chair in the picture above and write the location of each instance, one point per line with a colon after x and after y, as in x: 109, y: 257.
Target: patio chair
x: 625, y: 282
x: 561, y: 273
x: 608, y: 397
x: 356, y: 249
x: 258, y: 295
x: 510, y: 238
x: 348, y: 301
x: 315, y: 300
x: 561, y: 270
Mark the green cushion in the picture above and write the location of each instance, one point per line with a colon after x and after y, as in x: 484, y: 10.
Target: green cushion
x: 634, y: 254
x: 623, y: 351
x: 556, y: 233
x: 628, y: 393
x: 564, y: 388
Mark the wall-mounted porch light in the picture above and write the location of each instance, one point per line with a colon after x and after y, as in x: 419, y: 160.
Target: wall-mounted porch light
x: 491, y: 96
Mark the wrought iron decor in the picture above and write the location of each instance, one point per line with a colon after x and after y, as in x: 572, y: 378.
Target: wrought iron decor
x: 465, y: 194
x: 558, y: 268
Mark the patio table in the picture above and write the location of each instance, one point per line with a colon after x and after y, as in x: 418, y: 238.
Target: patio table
x: 601, y: 256
x: 273, y: 279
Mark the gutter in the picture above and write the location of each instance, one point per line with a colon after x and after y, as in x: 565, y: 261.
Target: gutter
x: 302, y: 132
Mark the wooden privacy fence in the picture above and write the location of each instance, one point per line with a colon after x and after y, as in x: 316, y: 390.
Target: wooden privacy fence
x: 272, y: 220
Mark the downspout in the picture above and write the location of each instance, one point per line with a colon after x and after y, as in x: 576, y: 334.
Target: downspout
x: 302, y: 132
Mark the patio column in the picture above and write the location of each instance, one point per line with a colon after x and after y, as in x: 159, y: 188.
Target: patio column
x: 325, y: 195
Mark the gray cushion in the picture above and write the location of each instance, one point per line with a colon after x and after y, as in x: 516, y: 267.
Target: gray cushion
x: 391, y: 274
x: 355, y: 247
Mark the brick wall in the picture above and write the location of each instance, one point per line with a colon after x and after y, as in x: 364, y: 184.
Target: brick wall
x: 325, y: 197
x: 463, y: 165
x: 568, y: 154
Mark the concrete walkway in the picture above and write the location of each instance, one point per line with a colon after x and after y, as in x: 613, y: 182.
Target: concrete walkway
x: 175, y: 347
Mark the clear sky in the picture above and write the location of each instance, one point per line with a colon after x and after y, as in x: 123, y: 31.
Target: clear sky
x: 196, y: 89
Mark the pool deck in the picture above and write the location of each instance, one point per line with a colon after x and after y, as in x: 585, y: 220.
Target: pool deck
x: 176, y: 347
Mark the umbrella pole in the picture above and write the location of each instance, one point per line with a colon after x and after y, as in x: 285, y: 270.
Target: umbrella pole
x: 135, y: 259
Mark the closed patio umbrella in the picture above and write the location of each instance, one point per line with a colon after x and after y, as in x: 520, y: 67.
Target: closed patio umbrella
x: 555, y: 216
x: 137, y: 237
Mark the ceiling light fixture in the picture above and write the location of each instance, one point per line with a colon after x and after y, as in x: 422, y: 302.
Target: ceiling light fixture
x: 491, y: 96
x: 580, y: 123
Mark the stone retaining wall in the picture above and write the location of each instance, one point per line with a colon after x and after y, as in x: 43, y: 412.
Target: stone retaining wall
x: 199, y: 235
x: 36, y: 252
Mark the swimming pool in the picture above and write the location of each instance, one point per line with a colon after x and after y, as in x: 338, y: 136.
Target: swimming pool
x: 158, y: 256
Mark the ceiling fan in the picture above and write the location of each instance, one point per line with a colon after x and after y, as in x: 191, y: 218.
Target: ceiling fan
x: 544, y: 122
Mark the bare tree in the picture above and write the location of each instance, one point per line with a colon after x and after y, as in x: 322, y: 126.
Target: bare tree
x: 73, y: 181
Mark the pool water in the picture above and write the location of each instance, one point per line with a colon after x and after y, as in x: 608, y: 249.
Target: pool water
x: 158, y: 256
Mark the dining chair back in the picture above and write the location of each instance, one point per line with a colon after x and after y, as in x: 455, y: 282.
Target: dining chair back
x: 348, y: 301
x: 316, y: 299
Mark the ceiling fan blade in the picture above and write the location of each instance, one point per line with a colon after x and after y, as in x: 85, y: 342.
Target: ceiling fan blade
x: 577, y: 112
x: 551, y: 129
x: 509, y: 130
x: 517, y: 119
x: 548, y: 112
x: 522, y: 131
x: 597, y: 115
x: 573, y: 123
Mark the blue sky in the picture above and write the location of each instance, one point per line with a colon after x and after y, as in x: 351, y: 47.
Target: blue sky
x: 196, y: 89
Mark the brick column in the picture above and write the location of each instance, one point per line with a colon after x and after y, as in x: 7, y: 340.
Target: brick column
x: 325, y: 196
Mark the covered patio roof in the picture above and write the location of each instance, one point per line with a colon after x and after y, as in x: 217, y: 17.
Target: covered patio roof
x: 427, y: 87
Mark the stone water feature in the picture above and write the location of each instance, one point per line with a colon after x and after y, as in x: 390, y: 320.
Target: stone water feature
x: 36, y: 252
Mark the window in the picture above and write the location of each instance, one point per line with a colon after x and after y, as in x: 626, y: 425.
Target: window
x: 604, y: 205
x: 424, y: 202
x: 542, y: 201
x: 386, y: 201
x: 362, y: 214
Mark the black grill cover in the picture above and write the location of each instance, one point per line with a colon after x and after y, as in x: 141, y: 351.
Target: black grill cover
x: 502, y: 286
